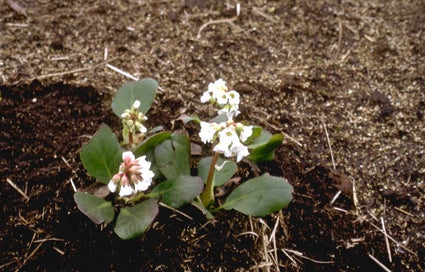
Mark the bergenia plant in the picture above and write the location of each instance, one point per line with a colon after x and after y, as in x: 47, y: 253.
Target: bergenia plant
x: 147, y: 168
x: 258, y: 196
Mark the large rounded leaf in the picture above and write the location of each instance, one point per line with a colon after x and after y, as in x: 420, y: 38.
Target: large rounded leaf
x: 95, y: 208
x: 260, y: 196
x: 179, y: 191
x: 142, y: 90
x: 224, y: 170
x: 172, y: 156
x: 151, y: 143
x: 264, y: 151
x: 102, y: 155
x: 133, y: 221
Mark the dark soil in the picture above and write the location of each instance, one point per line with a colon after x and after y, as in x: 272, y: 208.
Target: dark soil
x: 344, y: 81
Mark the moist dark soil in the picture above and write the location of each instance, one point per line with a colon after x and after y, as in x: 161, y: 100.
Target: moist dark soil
x: 344, y: 81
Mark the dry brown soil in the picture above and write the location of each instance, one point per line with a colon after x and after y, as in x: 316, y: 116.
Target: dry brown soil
x: 343, y: 80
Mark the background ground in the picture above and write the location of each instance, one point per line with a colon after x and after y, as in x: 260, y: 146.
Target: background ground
x: 345, y: 73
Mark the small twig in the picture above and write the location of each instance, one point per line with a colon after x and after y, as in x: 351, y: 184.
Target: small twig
x: 249, y: 233
x: 262, y: 14
x: 329, y: 143
x: 398, y: 244
x: 61, y: 252
x: 301, y: 255
x: 71, y: 71
x: 273, y: 239
x: 220, y: 21
x: 289, y: 257
x: 175, y: 210
x: 341, y: 210
x: 379, y: 263
x: 386, y: 240
x: 73, y: 171
x: 121, y: 72
x: 73, y: 185
x: 355, y: 199
x: 29, y: 256
x: 48, y: 239
x: 403, y: 211
x: 335, y: 197
x: 17, y: 189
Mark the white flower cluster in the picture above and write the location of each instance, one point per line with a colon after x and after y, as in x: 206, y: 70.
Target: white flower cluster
x: 134, y: 175
x: 227, y: 100
x: 132, y: 121
x: 230, y: 135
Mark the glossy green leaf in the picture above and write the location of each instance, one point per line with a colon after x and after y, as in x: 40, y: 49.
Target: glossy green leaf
x: 133, y: 221
x: 101, y: 157
x: 172, y: 156
x: 260, y: 137
x: 224, y: 170
x: 143, y: 90
x: 151, y: 143
x: 179, y: 191
x: 265, y: 152
x: 260, y: 196
x: 95, y: 208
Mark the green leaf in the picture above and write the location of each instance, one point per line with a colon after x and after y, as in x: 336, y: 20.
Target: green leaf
x: 224, y: 170
x: 260, y: 196
x: 259, y: 137
x: 265, y: 152
x: 186, y: 118
x: 151, y: 143
x: 133, y: 221
x: 102, y: 155
x: 172, y: 156
x: 95, y: 208
x: 179, y: 191
x: 143, y: 90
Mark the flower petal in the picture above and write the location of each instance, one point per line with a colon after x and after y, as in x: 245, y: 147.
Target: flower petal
x: 126, y: 190
x: 127, y: 156
x: 112, y: 186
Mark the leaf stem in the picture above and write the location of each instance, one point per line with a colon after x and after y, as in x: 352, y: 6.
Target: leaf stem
x: 207, y: 195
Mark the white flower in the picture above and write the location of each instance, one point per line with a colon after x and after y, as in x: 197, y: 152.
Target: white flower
x: 112, y: 186
x: 132, y: 121
x: 230, y: 145
x: 230, y: 111
x: 246, y: 132
x: 233, y: 97
x: 240, y: 150
x: 216, y: 90
x: 126, y: 190
x: 207, y: 132
x: 221, y: 97
x: 206, y: 96
x: 219, y: 86
x: 136, y: 104
x: 134, y: 175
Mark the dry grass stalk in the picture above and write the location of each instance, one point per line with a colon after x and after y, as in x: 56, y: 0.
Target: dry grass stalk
x: 379, y: 263
x: 386, y: 240
x: 14, y: 186
x: 121, y: 72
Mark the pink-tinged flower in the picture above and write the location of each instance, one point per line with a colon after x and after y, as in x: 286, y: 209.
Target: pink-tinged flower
x: 134, y: 175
